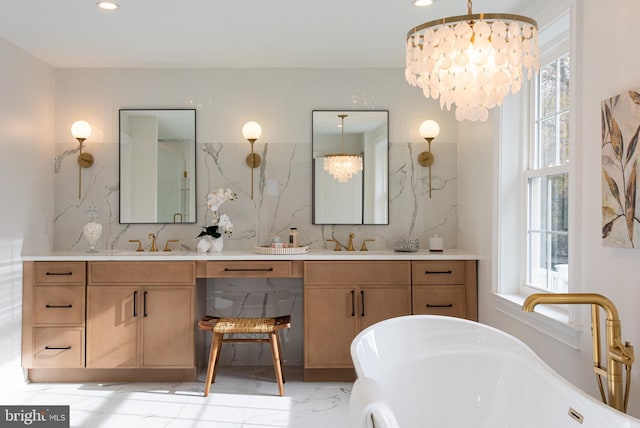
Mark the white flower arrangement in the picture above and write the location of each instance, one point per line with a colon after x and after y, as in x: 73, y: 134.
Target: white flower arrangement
x: 219, y: 197
x: 220, y: 223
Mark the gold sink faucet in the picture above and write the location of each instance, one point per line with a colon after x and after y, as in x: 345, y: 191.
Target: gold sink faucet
x: 618, y: 353
x: 350, y: 246
x: 153, y: 248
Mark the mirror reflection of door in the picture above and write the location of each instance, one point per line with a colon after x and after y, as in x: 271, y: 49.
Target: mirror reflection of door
x: 364, y: 198
x: 157, y: 166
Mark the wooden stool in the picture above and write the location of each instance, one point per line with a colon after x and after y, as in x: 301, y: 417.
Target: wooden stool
x: 222, y: 326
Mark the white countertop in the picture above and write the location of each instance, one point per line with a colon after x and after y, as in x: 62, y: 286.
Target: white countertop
x: 249, y: 255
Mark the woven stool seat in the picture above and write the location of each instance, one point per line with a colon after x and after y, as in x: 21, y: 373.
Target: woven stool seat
x: 244, y: 325
x: 221, y: 326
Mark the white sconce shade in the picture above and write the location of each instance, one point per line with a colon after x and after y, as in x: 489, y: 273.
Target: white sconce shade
x: 251, y: 131
x: 429, y: 129
x: 81, y: 130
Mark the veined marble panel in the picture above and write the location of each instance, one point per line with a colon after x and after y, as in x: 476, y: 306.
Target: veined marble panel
x: 287, y: 167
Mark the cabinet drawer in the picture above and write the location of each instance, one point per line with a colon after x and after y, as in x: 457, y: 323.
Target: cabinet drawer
x: 438, y: 272
x: 142, y: 273
x: 364, y: 272
x: 252, y: 269
x: 70, y: 273
x: 58, y: 347
x: 59, y: 304
x: 446, y: 300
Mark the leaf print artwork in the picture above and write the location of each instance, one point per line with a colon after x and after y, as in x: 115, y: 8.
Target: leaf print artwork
x: 620, y: 205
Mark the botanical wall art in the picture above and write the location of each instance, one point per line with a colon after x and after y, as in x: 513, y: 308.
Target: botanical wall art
x: 620, y: 203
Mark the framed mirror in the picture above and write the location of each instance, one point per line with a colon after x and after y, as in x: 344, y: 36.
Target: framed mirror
x: 157, y: 166
x: 342, y: 138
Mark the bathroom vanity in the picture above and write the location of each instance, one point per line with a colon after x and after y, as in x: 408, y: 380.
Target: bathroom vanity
x: 123, y: 317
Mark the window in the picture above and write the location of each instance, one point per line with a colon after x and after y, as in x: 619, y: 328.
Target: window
x: 547, y: 180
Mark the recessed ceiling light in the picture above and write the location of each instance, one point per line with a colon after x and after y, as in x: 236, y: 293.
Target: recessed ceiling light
x: 107, y: 5
x: 423, y: 2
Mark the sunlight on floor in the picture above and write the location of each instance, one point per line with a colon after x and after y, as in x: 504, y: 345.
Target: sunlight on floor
x: 240, y: 397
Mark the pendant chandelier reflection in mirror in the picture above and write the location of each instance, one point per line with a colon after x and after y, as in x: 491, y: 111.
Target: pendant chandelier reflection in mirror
x: 343, y: 166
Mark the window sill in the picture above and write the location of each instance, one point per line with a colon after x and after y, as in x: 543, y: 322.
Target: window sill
x: 546, y: 319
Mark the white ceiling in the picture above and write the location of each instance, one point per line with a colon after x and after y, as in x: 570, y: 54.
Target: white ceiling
x: 232, y: 33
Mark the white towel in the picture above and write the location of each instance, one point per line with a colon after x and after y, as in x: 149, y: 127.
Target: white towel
x: 368, y: 406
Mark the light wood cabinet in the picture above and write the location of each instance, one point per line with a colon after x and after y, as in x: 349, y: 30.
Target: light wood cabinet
x: 53, y: 328
x: 341, y: 298
x: 148, y: 326
x: 445, y: 287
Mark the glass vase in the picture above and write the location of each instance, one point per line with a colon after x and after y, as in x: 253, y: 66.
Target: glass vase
x: 92, y: 231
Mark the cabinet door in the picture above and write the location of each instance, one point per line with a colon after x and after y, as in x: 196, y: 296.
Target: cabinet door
x: 329, y: 325
x: 377, y: 303
x: 112, y: 326
x: 168, y: 327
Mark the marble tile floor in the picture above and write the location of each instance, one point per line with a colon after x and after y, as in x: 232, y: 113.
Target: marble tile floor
x: 244, y: 397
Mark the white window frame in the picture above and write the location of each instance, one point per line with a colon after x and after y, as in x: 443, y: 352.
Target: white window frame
x: 517, y: 123
x: 558, y: 49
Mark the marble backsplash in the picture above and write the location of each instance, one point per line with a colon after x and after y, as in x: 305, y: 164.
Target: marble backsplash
x: 287, y: 168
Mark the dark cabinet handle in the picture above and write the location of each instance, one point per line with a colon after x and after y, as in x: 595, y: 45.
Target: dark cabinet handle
x: 55, y: 348
x: 353, y: 303
x: 144, y: 304
x: 450, y: 305
x: 362, y: 301
x: 248, y: 270
x: 436, y: 272
x: 58, y: 306
x: 135, y: 299
x: 59, y: 273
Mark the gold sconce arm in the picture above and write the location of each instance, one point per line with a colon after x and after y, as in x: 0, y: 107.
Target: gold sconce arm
x: 251, y: 132
x: 81, y: 130
x: 429, y: 129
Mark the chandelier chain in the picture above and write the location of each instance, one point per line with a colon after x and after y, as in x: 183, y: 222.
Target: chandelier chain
x: 469, y: 6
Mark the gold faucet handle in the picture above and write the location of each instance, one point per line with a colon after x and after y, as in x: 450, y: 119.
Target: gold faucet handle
x: 166, y: 246
x: 364, y: 244
x: 337, y: 248
x: 139, y: 244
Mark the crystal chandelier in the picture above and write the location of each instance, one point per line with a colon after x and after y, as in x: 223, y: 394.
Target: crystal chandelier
x: 342, y: 166
x: 473, y: 60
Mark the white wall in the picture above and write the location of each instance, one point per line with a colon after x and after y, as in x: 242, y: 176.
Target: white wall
x: 608, y: 64
x: 27, y: 186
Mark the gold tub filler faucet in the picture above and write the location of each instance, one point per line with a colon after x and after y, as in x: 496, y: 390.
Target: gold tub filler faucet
x: 618, y: 353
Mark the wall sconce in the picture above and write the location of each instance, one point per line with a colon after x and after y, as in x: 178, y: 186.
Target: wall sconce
x: 429, y: 129
x: 81, y: 130
x: 251, y: 132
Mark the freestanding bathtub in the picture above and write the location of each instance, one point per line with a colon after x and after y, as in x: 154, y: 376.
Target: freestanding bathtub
x: 432, y: 371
